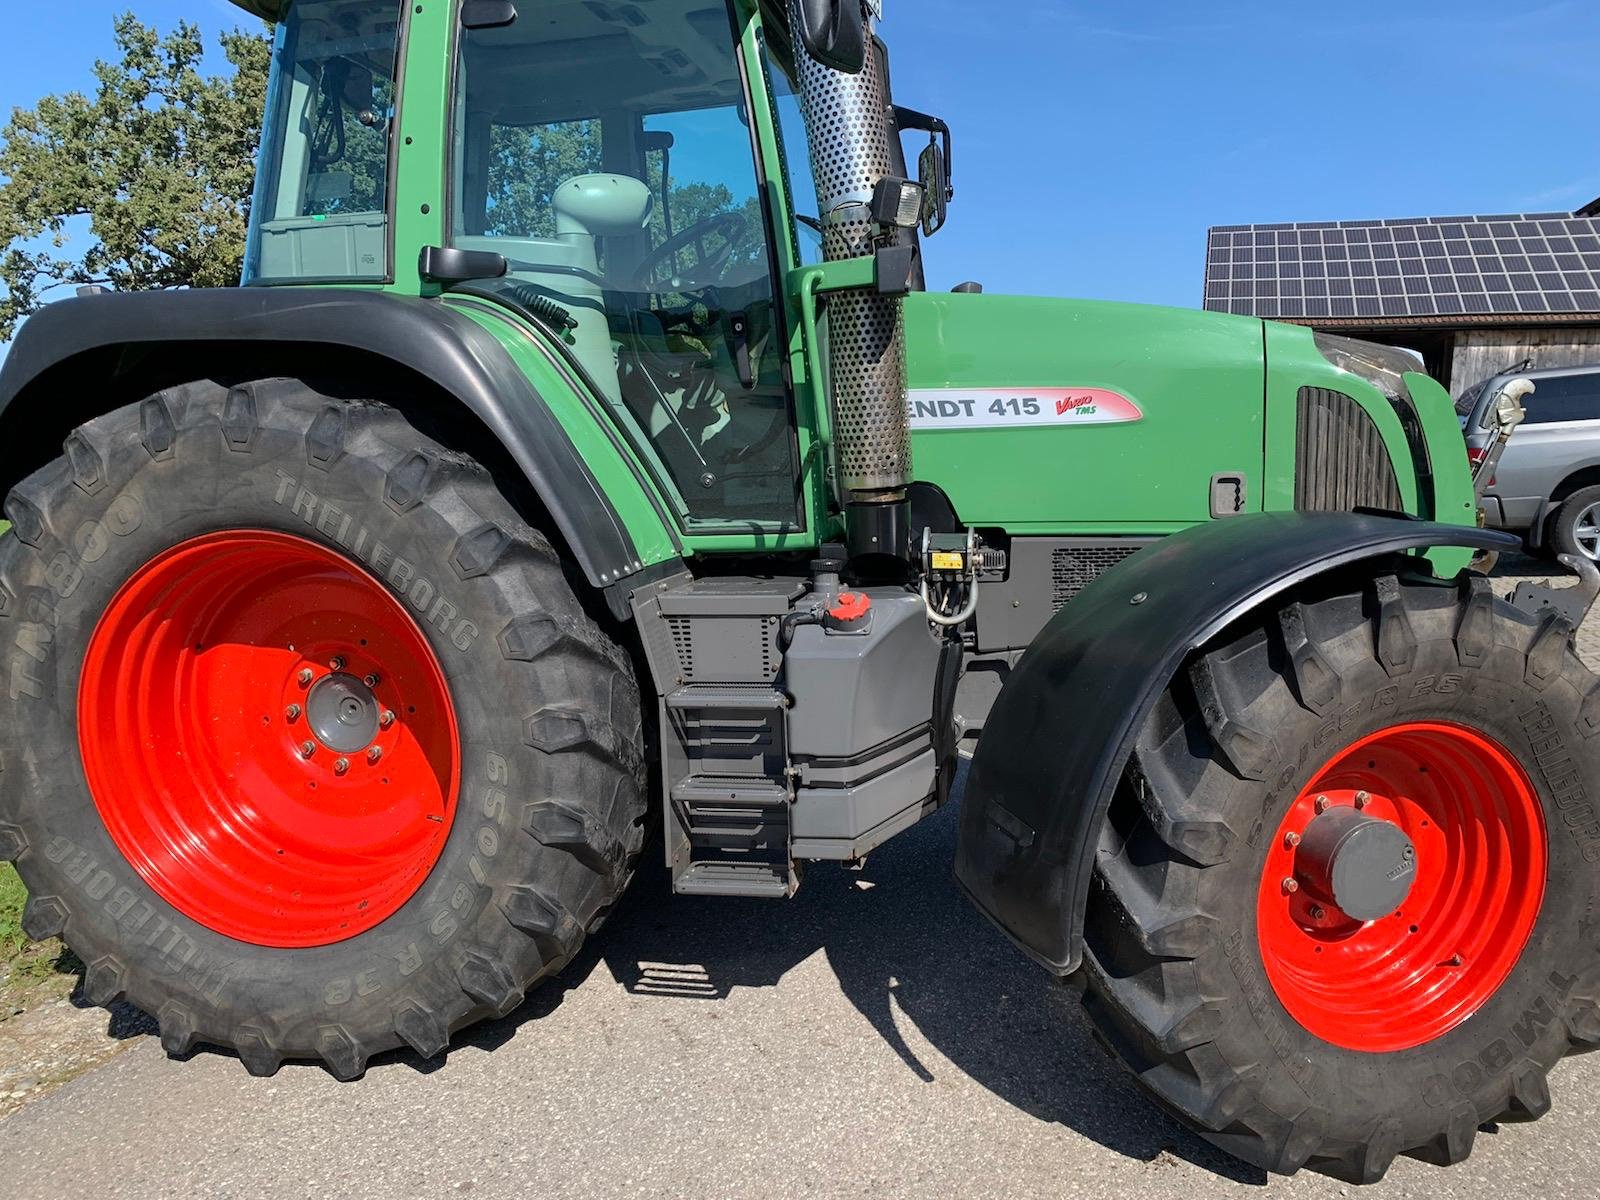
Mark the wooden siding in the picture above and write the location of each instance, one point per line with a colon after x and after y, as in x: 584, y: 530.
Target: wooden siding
x: 1480, y: 353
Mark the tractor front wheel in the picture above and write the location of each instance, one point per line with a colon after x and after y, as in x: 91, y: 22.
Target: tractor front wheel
x: 1342, y: 908
x: 312, y: 750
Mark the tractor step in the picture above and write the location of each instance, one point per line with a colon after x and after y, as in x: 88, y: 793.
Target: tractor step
x: 723, y: 697
x: 704, y: 792
x: 767, y: 881
x: 725, y: 736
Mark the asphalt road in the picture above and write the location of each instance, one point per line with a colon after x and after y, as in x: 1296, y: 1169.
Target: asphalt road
x: 873, y: 1036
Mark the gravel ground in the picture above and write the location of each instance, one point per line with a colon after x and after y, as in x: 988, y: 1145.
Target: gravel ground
x: 1516, y: 569
x: 57, y: 1038
x: 873, y: 1036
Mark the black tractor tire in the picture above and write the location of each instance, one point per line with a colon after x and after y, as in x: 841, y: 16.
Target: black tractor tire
x: 1564, y: 525
x: 1176, y: 979
x: 552, y: 794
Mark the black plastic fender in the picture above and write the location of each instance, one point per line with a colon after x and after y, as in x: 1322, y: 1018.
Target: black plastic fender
x: 1062, y: 730
x: 423, y: 335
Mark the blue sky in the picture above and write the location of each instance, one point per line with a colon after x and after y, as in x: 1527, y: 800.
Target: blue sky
x: 1096, y: 142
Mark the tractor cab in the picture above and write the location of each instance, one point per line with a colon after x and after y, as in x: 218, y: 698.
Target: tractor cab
x: 605, y: 176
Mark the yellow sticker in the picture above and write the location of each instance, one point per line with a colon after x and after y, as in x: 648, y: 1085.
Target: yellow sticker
x: 949, y: 560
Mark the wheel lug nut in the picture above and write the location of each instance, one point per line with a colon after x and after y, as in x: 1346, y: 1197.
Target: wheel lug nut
x: 341, y: 765
x: 386, y: 718
x: 292, y: 712
x: 1362, y: 798
x: 1323, y: 804
x: 372, y: 681
x: 1317, y: 912
x: 307, y: 749
x: 305, y: 677
x: 336, y: 663
x: 1291, y: 839
x: 374, y: 754
x: 1291, y: 885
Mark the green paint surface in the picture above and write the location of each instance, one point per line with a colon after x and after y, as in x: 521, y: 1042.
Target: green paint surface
x: 618, y: 471
x: 1196, y: 378
x: 1215, y: 393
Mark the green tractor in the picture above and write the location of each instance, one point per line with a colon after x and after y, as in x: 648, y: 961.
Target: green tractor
x: 584, y: 461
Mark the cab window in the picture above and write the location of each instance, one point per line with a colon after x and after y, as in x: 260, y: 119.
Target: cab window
x: 611, y: 162
x: 322, y: 187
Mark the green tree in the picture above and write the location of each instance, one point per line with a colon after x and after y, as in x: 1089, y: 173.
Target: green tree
x: 526, y: 166
x: 158, y: 162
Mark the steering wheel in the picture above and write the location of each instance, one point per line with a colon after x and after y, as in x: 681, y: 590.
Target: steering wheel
x: 658, y: 271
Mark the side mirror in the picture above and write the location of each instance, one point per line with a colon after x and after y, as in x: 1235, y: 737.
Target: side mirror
x: 935, y: 176
x: 934, y: 167
x: 834, y: 33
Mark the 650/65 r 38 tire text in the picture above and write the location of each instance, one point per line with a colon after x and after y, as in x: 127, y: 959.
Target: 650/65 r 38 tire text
x: 1345, y: 902
x: 313, y: 750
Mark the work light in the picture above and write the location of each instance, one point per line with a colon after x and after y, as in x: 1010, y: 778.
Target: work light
x: 898, y: 203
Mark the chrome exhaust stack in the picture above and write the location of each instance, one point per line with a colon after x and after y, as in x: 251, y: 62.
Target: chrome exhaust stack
x: 849, y: 123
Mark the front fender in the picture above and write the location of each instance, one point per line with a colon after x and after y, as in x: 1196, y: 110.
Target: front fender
x: 1063, y: 728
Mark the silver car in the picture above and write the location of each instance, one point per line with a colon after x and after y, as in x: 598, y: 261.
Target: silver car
x: 1547, y: 485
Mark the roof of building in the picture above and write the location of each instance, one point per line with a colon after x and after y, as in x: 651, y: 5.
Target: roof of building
x: 1533, y: 268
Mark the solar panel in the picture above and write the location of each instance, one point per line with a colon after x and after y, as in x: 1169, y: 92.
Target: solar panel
x: 1391, y: 271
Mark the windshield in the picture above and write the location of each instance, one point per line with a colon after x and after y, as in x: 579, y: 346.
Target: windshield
x: 607, y: 154
x: 323, y: 180
x: 1468, y: 400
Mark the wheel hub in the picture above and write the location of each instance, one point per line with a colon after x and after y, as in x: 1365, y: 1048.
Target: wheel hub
x: 1401, y: 886
x: 1586, y: 531
x: 343, y: 713
x: 269, y: 738
x: 1363, y: 866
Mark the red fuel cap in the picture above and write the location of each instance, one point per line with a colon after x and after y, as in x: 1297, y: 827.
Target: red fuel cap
x: 851, y: 606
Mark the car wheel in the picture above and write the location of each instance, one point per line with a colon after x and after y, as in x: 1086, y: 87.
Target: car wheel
x: 1577, y: 524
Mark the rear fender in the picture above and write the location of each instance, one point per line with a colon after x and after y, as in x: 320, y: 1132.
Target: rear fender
x: 1062, y: 730
x: 604, y: 510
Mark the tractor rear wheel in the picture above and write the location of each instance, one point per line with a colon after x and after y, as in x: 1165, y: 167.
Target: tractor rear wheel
x: 313, y: 751
x: 1343, y: 905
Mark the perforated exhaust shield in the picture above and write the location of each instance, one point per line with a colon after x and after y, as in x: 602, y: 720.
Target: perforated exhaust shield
x: 847, y: 120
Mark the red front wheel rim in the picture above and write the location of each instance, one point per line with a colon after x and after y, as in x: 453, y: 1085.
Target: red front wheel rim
x: 269, y: 738
x: 1410, y: 975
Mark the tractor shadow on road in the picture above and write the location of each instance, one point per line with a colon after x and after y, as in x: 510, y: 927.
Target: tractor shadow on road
x: 902, y: 940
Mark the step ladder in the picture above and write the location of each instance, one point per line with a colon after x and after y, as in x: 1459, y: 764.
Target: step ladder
x: 728, y: 827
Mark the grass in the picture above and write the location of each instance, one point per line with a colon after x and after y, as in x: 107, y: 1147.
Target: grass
x: 27, y: 971
x: 12, y: 898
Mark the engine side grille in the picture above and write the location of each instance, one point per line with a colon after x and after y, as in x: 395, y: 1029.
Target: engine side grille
x: 1073, y: 568
x: 1341, y: 462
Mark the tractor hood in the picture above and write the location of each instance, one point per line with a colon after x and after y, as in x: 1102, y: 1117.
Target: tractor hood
x: 267, y: 10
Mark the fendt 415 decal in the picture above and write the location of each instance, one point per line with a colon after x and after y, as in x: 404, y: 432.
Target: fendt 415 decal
x: 1001, y: 408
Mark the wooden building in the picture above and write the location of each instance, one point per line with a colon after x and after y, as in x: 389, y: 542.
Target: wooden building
x: 1473, y: 295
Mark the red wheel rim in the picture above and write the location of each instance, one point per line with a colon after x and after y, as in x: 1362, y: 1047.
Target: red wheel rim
x: 224, y: 714
x: 1414, y: 974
